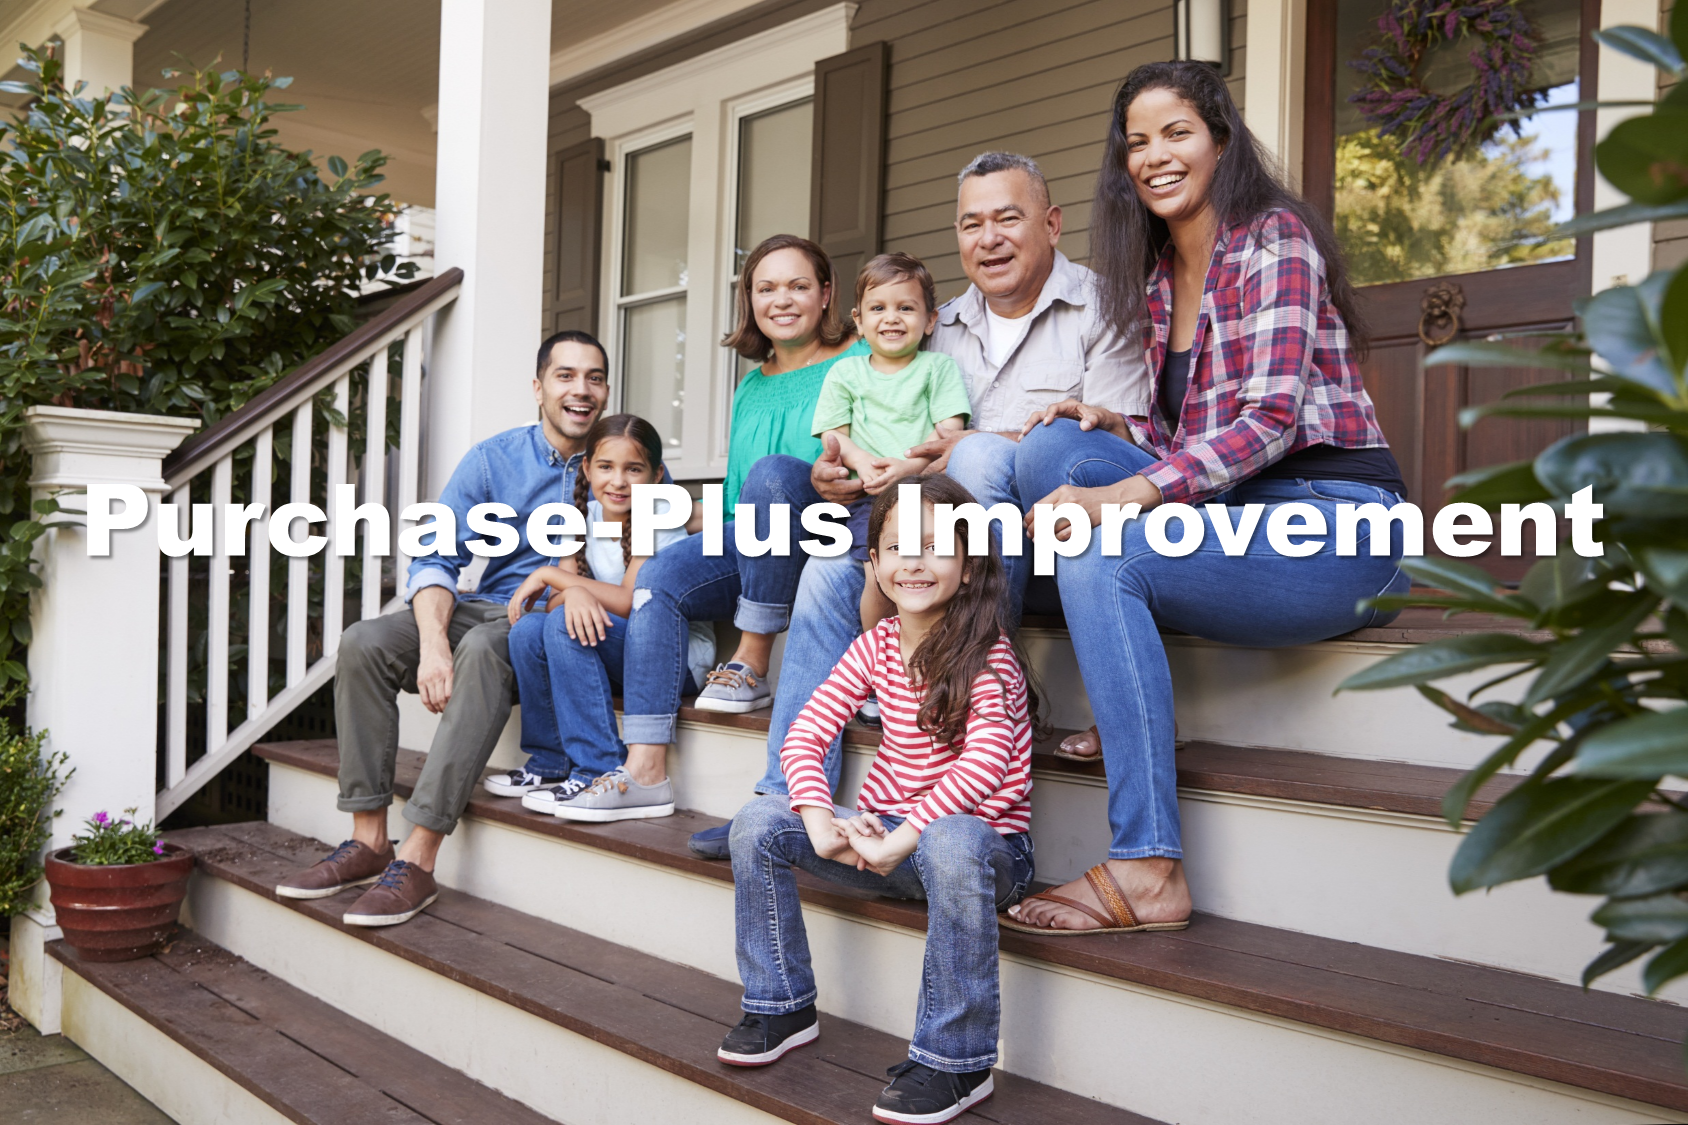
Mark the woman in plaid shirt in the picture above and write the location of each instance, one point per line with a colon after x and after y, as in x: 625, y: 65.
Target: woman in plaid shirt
x: 1248, y: 319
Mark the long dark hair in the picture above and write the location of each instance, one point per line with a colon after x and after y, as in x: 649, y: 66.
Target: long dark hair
x: 748, y: 339
x: 958, y: 649
x: 616, y: 425
x: 1126, y: 238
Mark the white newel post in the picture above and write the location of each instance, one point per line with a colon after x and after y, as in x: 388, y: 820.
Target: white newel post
x: 495, y: 60
x: 93, y: 657
x: 98, y: 49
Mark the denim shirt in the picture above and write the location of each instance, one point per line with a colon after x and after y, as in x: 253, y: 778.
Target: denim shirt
x: 517, y: 467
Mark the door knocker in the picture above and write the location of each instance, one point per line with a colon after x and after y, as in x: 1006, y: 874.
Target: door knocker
x: 1438, y: 321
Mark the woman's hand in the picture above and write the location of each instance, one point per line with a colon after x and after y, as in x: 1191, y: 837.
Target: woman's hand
x: 587, y: 620
x: 530, y: 589
x: 1088, y: 418
x: 1132, y: 490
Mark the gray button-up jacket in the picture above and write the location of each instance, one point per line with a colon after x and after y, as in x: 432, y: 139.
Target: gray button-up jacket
x: 1067, y: 352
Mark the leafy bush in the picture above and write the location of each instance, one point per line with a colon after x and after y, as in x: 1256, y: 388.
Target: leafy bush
x: 29, y: 783
x: 110, y: 841
x: 161, y: 253
x: 1608, y: 683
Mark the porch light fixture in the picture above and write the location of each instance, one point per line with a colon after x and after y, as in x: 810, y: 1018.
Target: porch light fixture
x: 1201, y: 30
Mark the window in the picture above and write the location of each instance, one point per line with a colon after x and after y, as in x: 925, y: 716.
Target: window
x: 773, y: 190
x: 651, y: 301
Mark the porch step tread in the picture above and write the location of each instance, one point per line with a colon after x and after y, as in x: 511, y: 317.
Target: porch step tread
x: 303, y: 1057
x: 1292, y: 775
x: 1621, y: 1045
x: 1414, y: 625
x: 657, y: 1011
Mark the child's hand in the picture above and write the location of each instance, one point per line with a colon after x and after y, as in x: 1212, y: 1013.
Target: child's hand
x: 880, y: 852
x: 530, y: 589
x: 584, y: 615
x: 828, y: 840
x: 887, y: 471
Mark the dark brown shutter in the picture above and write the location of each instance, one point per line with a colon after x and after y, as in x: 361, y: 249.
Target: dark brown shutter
x: 848, y: 177
x: 578, y: 179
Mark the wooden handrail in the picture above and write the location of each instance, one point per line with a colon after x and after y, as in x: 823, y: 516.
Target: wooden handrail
x: 208, y: 445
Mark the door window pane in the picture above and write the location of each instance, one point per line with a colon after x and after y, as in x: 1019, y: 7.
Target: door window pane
x: 773, y: 179
x: 1399, y: 220
x: 659, y: 191
x: 653, y: 342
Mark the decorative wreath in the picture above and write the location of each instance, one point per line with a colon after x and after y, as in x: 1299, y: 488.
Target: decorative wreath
x: 1431, y: 126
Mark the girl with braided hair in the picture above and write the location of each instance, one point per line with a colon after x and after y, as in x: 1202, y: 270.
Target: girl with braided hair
x: 571, y: 659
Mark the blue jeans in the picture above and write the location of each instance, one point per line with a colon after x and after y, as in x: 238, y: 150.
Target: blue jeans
x: 964, y: 869
x: 1116, y: 607
x: 682, y: 584
x: 567, y: 688
x: 984, y: 464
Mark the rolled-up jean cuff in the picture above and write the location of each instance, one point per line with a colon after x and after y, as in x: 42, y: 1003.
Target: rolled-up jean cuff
x: 649, y: 730
x: 1150, y: 852
x: 431, y: 821
x: 761, y: 617
x: 364, y: 804
x: 951, y: 1066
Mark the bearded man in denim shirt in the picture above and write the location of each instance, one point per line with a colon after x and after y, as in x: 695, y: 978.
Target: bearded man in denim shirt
x: 452, y: 649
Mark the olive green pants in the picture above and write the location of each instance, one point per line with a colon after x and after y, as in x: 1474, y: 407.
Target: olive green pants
x: 378, y: 659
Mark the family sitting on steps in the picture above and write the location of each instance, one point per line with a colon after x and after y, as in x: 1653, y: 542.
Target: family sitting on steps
x: 1209, y: 359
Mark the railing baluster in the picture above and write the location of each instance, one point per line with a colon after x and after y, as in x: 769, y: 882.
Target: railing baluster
x: 298, y: 569
x: 410, y: 443
x: 258, y: 589
x: 374, y: 477
x: 333, y: 564
x: 176, y: 709
x: 217, y: 611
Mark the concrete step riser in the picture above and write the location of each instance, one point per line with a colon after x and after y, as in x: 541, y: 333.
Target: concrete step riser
x: 1127, y: 1045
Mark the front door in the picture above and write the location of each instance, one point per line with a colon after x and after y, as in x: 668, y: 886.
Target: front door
x: 1442, y: 249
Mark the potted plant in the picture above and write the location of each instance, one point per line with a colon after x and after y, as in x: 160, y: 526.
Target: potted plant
x: 118, y: 888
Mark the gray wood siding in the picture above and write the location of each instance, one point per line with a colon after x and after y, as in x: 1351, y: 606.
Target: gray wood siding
x: 1031, y: 76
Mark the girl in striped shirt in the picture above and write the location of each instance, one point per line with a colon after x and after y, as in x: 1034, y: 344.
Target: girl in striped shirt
x: 942, y: 816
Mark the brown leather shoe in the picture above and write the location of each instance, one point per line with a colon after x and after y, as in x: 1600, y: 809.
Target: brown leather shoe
x: 402, y: 893
x: 352, y: 864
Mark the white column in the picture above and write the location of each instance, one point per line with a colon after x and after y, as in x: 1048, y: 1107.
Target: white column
x: 1275, y: 79
x: 93, y: 657
x: 490, y: 221
x: 98, y: 49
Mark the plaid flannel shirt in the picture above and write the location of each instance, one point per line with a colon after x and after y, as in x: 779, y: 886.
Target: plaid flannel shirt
x: 1272, y: 372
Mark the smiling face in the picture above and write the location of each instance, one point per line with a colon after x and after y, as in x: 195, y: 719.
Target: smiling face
x: 1007, y: 230
x: 1171, y: 155
x: 893, y: 318
x: 616, y: 465
x: 571, y: 393
x: 786, y: 298
x: 922, y: 585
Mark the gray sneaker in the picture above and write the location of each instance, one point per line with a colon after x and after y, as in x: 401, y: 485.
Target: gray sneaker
x: 735, y: 689
x: 616, y: 796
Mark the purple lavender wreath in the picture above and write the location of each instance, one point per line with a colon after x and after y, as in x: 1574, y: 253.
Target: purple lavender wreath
x: 1432, y: 126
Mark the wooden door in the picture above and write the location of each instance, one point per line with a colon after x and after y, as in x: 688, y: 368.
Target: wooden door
x: 1436, y: 251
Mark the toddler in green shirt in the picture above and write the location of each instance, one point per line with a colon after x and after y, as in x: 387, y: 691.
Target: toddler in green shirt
x: 898, y: 396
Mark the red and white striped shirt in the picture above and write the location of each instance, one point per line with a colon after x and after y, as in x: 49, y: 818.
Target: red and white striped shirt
x: 988, y: 775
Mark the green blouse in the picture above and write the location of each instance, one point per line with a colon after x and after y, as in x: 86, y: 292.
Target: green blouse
x: 775, y: 414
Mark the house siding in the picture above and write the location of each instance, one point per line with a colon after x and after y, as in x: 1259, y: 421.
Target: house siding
x: 1032, y: 76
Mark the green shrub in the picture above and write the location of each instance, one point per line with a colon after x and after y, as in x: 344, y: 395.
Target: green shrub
x: 111, y: 840
x: 29, y: 783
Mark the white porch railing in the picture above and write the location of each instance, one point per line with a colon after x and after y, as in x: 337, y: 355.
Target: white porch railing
x: 235, y: 460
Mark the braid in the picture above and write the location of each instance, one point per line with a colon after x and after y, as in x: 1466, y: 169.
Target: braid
x: 627, y: 545
x: 581, y: 488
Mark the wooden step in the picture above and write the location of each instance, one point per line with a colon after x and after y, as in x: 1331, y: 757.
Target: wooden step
x: 302, y: 1057
x: 1414, y: 625
x: 1624, y: 1046
x: 661, y: 1013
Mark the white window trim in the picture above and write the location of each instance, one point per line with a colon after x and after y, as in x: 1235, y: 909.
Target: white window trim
x: 704, y: 96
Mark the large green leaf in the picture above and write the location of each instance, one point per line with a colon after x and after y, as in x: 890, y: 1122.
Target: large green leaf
x: 1632, y: 474
x: 1437, y: 660
x: 1646, y: 157
x: 1473, y: 583
x: 1458, y: 797
x: 1564, y: 578
x: 1657, y: 919
x: 1666, y: 965
x: 1614, y: 956
x: 1483, y: 353
x: 1643, y: 855
x: 1647, y: 746
x: 1494, y: 485
x: 1622, y: 325
x: 1580, y: 657
x: 1666, y: 569
x: 1673, y: 319
x: 1539, y: 825
x: 1648, y: 46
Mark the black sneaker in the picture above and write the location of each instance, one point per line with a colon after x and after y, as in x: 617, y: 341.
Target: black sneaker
x: 918, y: 1094
x: 514, y: 783
x: 759, y: 1040
x: 868, y: 713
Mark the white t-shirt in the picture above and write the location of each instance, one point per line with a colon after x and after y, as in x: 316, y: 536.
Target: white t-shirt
x: 1003, y: 336
x: 603, y: 555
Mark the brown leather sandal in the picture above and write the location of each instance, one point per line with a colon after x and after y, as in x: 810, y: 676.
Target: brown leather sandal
x: 1108, y: 893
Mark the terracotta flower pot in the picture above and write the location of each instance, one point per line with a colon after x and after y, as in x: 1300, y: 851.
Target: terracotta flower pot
x: 118, y: 912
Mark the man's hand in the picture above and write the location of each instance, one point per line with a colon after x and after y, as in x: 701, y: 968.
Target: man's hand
x: 1132, y: 490
x: 1088, y: 418
x: 935, y: 450
x: 828, y: 840
x: 432, y: 607
x: 831, y: 477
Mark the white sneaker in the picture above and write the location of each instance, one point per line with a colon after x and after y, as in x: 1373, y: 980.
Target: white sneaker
x: 616, y: 796
x: 514, y: 783
x: 546, y: 800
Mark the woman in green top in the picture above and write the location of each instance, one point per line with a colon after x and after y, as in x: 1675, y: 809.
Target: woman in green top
x: 789, y: 318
